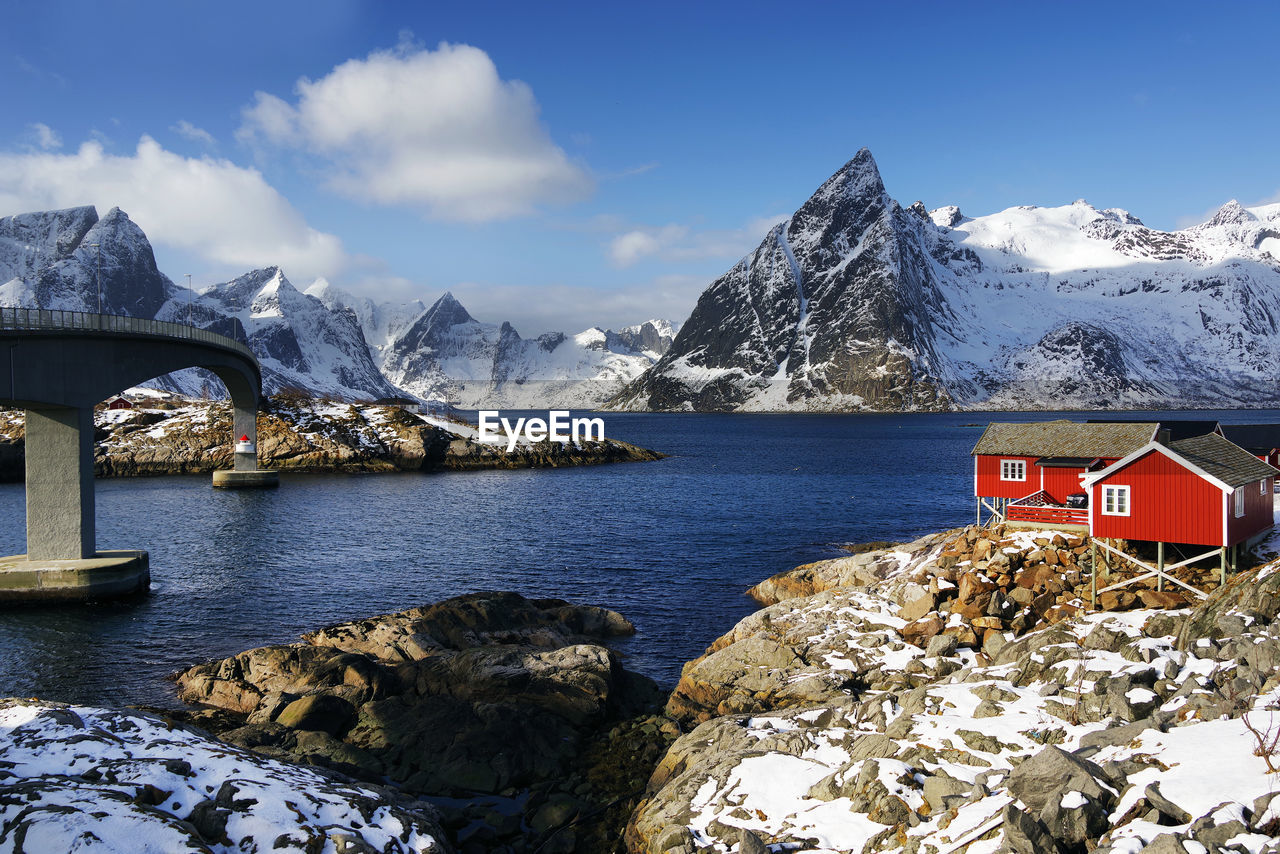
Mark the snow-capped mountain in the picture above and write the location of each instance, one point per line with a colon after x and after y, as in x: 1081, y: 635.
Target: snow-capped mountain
x: 49, y: 260
x: 446, y: 354
x: 323, y: 341
x: 856, y: 302
x: 300, y: 343
x: 56, y: 259
x: 381, y: 323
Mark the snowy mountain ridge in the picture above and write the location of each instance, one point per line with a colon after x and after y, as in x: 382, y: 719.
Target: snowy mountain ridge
x: 322, y: 341
x: 443, y: 353
x: 857, y: 303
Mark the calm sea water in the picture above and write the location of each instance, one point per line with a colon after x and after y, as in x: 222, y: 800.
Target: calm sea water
x: 671, y: 544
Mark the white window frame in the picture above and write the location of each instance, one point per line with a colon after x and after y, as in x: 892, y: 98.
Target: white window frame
x: 1239, y: 501
x: 1115, y: 500
x: 1262, y: 486
x: 1008, y: 467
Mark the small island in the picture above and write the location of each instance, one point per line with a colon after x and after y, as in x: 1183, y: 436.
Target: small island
x: 170, y: 434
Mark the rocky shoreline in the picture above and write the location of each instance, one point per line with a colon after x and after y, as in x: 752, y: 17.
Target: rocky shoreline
x: 952, y: 694
x: 300, y: 434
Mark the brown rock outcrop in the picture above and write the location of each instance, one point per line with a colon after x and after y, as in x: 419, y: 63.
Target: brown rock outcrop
x: 486, y: 693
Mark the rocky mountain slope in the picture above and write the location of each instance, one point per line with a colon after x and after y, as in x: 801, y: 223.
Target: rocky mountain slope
x: 857, y: 303
x: 56, y: 259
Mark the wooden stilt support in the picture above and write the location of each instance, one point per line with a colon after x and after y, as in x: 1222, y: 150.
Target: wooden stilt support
x: 1235, y: 558
x: 1093, y: 571
x: 1222, y: 570
x: 1157, y: 572
x: 1160, y: 565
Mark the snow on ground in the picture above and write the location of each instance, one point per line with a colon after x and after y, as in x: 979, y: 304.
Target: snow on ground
x: 976, y: 721
x: 80, y: 778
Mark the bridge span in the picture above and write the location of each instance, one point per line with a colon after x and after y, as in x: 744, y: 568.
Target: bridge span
x: 57, y: 365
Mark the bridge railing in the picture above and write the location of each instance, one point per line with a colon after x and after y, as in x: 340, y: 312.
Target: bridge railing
x: 56, y: 319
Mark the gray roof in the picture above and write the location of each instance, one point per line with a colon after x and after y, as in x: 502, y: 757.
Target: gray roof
x: 1229, y: 463
x: 1064, y: 439
x: 1254, y: 437
x: 1179, y: 428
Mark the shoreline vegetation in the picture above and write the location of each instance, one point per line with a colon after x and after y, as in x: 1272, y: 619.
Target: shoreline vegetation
x: 297, y: 433
x: 952, y: 694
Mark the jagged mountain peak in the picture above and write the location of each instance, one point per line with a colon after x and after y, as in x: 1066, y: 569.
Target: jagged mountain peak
x: 1232, y: 213
x: 241, y: 292
x: 859, y: 303
x: 59, y: 259
x: 855, y: 186
x: 447, y: 311
x: 947, y: 216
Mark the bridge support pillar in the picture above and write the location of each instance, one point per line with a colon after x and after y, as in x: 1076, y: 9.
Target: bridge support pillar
x: 246, y: 424
x: 244, y: 472
x: 60, y: 506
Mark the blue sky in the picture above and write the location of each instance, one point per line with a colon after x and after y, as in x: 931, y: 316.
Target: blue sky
x: 570, y: 164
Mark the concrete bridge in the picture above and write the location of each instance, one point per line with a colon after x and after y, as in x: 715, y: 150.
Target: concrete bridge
x: 57, y: 365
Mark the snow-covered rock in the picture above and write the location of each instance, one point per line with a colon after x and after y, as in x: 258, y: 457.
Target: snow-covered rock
x: 858, y: 303
x: 70, y: 259
x: 78, y: 779
x: 1103, y: 732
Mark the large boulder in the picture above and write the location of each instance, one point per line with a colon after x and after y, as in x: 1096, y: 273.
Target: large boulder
x: 478, y: 693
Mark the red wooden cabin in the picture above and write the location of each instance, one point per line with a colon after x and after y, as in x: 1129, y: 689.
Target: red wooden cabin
x: 1030, y: 472
x: 119, y: 403
x: 1204, y: 491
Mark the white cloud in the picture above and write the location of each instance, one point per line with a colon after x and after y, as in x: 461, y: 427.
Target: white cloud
x: 438, y: 130
x: 208, y: 207
x: 46, y: 137
x: 626, y: 249
x: 187, y: 130
x: 682, y: 243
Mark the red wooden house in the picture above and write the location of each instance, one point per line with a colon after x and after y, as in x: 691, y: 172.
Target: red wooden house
x: 119, y: 403
x: 1030, y: 472
x: 1203, y: 491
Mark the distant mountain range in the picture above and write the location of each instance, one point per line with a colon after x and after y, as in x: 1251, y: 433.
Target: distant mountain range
x: 854, y: 303
x: 857, y: 303
x: 324, y: 341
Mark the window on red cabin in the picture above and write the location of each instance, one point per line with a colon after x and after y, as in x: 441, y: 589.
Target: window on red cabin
x: 1013, y: 470
x: 1239, y: 501
x: 1115, y: 501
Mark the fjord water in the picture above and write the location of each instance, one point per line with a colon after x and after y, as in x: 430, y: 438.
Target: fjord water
x: 671, y: 544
